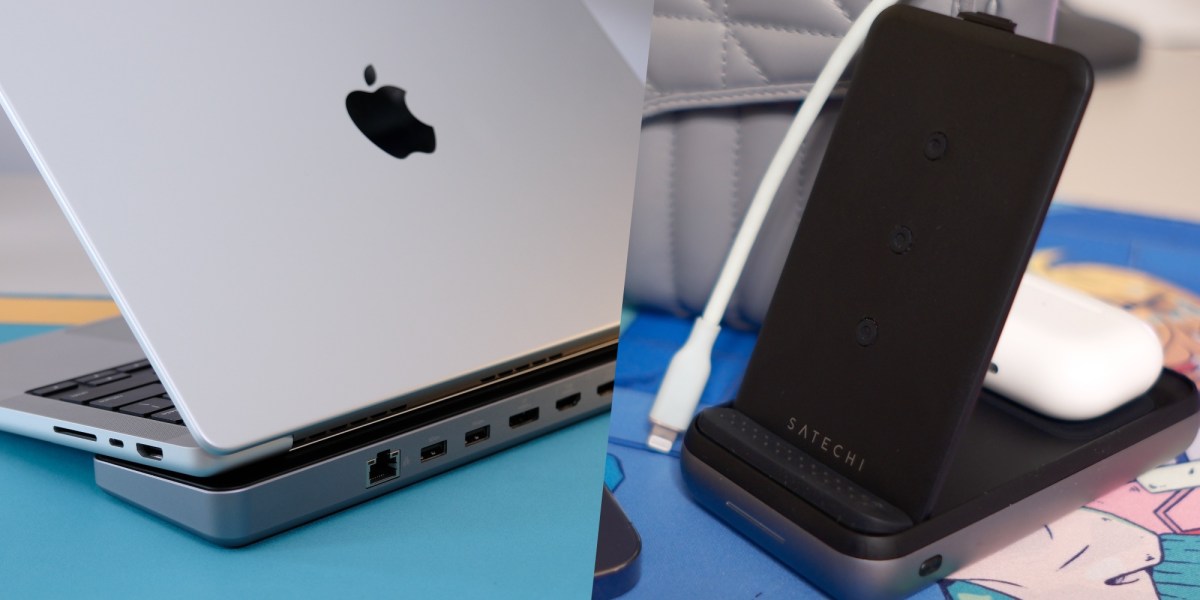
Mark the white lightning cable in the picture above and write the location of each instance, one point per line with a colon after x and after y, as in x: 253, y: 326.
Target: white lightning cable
x: 688, y: 371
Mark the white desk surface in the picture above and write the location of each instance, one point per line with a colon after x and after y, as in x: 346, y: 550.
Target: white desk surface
x: 39, y: 254
x: 1138, y: 149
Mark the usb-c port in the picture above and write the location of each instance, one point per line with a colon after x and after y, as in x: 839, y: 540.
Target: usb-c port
x: 523, y: 418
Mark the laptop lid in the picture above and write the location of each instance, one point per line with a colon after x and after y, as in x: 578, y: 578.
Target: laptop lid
x: 279, y: 268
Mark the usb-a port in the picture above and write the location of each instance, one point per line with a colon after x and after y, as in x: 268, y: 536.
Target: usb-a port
x: 523, y: 418
x: 475, y: 436
x: 433, y: 451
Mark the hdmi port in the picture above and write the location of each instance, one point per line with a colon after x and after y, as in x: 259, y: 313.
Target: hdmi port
x: 150, y: 452
x: 569, y: 402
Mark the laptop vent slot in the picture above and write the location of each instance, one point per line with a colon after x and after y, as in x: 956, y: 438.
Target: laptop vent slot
x: 348, y: 426
x: 517, y: 369
x: 399, y: 409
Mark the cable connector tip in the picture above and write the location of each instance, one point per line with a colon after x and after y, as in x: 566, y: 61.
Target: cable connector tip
x: 662, y: 439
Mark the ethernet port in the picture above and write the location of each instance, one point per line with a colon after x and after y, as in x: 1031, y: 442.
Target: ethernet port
x: 384, y: 467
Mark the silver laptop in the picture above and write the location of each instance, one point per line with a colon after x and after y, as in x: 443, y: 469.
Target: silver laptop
x: 315, y: 215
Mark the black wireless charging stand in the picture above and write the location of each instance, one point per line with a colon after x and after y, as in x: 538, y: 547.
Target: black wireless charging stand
x: 862, y: 450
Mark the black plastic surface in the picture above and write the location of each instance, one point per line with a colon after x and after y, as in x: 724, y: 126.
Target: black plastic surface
x: 618, y: 552
x: 925, y: 211
x: 843, y: 500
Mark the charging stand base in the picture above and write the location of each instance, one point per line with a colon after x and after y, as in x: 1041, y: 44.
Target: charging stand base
x: 1014, y: 472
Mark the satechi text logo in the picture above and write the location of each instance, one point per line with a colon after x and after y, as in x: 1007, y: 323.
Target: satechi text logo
x: 826, y: 444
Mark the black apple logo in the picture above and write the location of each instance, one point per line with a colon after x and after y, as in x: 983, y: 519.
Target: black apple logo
x: 384, y: 118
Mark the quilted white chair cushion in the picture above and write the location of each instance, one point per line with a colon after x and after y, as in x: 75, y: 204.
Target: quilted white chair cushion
x: 725, y: 78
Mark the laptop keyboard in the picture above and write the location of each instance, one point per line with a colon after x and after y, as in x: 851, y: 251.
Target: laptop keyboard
x: 132, y: 389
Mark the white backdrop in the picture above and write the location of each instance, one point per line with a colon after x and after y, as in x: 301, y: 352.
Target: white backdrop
x: 13, y: 157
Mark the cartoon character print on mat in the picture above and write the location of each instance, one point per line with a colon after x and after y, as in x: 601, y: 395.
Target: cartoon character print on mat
x: 1173, y: 312
x: 1142, y: 540
x: 1086, y: 554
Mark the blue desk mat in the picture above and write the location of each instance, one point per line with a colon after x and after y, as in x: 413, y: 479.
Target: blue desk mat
x: 518, y: 524
x: 689, y: 553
